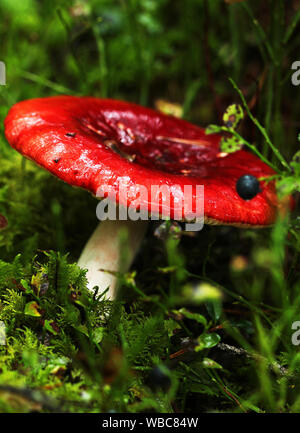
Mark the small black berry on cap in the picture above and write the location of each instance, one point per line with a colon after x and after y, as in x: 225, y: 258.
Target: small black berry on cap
x: 247, y: 186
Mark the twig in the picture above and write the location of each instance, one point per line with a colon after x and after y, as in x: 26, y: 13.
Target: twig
x: 275, y: 366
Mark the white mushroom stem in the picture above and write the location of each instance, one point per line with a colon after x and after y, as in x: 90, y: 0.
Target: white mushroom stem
x: 103, y: 251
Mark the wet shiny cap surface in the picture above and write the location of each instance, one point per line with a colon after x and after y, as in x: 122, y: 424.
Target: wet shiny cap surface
x: 90, y: 142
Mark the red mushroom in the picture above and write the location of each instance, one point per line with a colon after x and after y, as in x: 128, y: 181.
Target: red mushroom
x: 93, y: 143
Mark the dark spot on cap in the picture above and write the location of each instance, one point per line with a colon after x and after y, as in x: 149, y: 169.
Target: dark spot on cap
x: 56, y: 160
x: 247, y: 186
x: 71, y: 134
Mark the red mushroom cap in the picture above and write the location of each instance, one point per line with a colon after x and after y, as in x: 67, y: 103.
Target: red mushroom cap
x: 89, y: 142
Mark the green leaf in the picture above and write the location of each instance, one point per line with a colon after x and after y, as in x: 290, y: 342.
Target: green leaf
x: 32, y: 309
x: 210, y: 363
x: 97, y: 334
x: 214, y: 309
x: 207, y: 341
x: 212, y: 129
x: 230, y: 144
x: 193, y: 316
x: 27, y: 287
x: 233, y: 116
x: 51, y: 326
